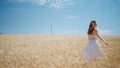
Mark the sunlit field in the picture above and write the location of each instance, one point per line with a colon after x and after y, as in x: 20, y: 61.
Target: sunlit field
x: 50, y: 51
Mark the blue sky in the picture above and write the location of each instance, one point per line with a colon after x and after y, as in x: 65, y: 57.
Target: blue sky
x: 69, y: 17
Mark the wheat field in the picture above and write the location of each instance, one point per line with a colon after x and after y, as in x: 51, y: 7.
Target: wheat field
x: 54, y: 51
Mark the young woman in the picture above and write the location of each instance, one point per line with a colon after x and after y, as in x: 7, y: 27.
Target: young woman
x: 93, y: 48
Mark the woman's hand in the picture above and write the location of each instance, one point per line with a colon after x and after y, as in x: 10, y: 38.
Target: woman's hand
x: 106, y: 42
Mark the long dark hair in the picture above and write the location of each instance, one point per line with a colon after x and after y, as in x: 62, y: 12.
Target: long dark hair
x: 91, y: 28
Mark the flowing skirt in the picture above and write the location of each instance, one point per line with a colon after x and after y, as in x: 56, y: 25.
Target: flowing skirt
x: 92, y: 50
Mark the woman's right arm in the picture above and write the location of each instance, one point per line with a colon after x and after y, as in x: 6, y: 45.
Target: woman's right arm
x: 101, y: 38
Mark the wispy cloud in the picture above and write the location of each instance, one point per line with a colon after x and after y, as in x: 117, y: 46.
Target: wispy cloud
x: 55, y: 4
x: 68, y: 32
x: 74, y: 31
x: 115, y: 9
x: 70, y: 17
x: 21, y: 1
x: 105, y: 32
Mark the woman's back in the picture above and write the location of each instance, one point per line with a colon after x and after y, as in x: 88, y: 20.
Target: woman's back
x: 93, y: 35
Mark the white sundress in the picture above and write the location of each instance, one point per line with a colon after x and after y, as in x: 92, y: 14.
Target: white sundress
x: 92, y: 50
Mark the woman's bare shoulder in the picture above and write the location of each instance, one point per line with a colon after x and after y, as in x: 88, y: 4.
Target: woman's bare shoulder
x: 96, y: 29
